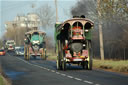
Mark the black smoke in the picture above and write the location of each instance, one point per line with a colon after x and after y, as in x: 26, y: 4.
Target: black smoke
x: 112, y: 31
x: 84, y: 7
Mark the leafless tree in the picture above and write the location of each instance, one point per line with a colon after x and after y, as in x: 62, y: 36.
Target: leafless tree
x: 46, y: 15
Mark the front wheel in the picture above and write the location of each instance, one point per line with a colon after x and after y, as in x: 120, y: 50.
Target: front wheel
x: 28, y: 54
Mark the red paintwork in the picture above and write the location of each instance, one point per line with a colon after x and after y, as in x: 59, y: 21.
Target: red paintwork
x: 77, y: 33
x: 76, y: 55
x: 2, y: 53
x: 36, y: 52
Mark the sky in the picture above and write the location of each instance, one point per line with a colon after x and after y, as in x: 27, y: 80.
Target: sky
x: 9, y: 9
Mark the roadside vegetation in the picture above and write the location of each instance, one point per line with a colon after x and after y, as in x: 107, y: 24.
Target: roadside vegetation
x: 1, y: 81
x: 114, y: 65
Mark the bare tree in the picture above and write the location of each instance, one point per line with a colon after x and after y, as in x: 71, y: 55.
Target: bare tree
x: 46, y: 15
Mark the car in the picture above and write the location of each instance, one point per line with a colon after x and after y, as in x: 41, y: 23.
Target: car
x: 2, y: 52
x: 19, y: 51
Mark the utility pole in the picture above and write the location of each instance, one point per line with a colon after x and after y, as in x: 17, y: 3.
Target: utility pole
x: 56, y: 11
x: 15, y: 25
x: 26, y: 23
x: 100, y: 32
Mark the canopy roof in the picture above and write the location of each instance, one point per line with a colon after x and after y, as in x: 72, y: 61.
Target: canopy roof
x: 83, y: 21
x: 31, y: 32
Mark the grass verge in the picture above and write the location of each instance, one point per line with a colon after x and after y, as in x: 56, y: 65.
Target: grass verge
x: 4, y: 80
x: 111, y: 65
x: 119, y: 66
x: 1, y: 80
x: 51, y: 57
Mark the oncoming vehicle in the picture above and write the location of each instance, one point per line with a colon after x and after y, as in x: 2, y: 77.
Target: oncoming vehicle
x: 19, y: 51
x: 73, y: 42
x: 2, y: 52
x: 10, y: 45
x: 34, y: 44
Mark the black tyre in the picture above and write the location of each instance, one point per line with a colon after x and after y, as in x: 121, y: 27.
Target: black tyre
x: 64, y: 65
x: 84, y: 65
x: 63, y: 58
x: 89, y: 66
x: 28, y: 54
x: 25, y: 53
x: 59, y: 62
x: 44, y: 55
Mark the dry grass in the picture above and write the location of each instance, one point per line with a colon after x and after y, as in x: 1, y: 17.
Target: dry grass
x: 1, y: 81
x: 120, y: 66
x: 51, y: 56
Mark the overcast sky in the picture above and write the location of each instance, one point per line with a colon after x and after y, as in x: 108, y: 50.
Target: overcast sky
x: 10, y: 8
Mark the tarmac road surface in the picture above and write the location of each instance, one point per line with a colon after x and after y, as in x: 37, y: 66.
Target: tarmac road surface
x: 41, y: 72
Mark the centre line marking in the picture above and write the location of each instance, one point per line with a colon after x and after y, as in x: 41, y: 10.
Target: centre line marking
x: 63, y: 74
x: 57, y: 73
x: 69, y: 76
x: 52, y: 70
x: 85, y: 81
x: 88, y: 82
x: 78, y: 79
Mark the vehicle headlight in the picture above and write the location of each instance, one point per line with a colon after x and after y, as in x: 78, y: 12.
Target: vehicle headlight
x: 86, y: 30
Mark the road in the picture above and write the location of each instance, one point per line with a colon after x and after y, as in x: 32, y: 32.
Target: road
x: 41, y: 72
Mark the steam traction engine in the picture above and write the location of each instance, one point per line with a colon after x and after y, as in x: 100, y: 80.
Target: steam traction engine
x: 34, y: 45
x: 73, y: 43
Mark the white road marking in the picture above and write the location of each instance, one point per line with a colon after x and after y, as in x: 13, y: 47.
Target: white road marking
x: 97, y: 84
x: 70, y: 76
x: 85, y: 81
x: 47, y: 69
x: 78, y: 79
x: 57, y: 73
x: 88, y: 82
x: 52, y: 71
x: 63, y: 74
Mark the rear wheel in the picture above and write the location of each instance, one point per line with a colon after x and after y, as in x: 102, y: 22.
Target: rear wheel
x: 25, y: 53
x: 44, y: 54
x: 59, y: 62
x: 90, y: 53
x: 28, y: 54
x: 64, y: 65
x: 63, y: 58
